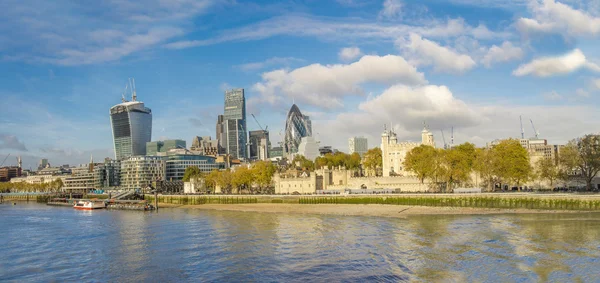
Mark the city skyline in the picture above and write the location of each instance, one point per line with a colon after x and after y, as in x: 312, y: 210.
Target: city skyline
x: 473, y: 66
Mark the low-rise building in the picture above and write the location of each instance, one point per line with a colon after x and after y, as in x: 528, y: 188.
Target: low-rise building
x: 140, y: 171
x: 7, y: 173
x: 205, y: 146
x: 177, y: 164
x: 155, y: 147
x: 306, y: 183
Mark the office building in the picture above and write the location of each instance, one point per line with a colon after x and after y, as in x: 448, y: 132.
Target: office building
x: 43, y: 164
x: 7, y: 173
x: 297, y: 126
x: 309, y: 148
x: 394, y: 152
x: 359, y: 145
x: 324, y: 150
x: 234, y: 124
x: 157, y: 147
x: 205, y: 146
x: 177, y: 164
x: 259, y: 145
x: 276, y: 152
x: 138, y: 172
x: 131, y: 124
x: 221, y: 136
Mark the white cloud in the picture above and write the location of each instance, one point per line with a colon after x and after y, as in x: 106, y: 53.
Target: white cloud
x: 504, y: 53
x: 580, y: 92
x: 596, y: 83
x: 552, y: 16
x: 425, y: 52
x: 274, y: 61
x: 324, y: 86
x: 392, y: 9
x: 340, y: 30
x: 349, y: 53
x: 549, y: 66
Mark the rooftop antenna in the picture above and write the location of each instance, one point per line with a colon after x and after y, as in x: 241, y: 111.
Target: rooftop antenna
x: 522, y: 130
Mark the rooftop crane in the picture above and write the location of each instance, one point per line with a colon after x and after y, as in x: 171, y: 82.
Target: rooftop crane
x: 265, y: 129
x: 4, y: 159
x: 444, y: 139
x: 534, y: 131
x: 522, y: 130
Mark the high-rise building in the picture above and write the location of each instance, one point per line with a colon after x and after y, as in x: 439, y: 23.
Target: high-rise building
x: 43, y: 164
x: 309, y: 148
x: 131, y: 124
x: 259, y: 143
x: 221, y: 137
x: 359, y: 145
x: 297, y: 126
x: 234, y: 121
x: 153, y: 148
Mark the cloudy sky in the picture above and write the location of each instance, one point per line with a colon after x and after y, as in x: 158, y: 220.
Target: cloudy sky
x: 352, y: 65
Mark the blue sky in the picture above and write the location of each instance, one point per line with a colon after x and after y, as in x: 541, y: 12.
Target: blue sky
x: 352, y: 65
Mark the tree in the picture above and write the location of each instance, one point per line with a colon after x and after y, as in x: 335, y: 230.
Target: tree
x: 583, y: 156
x: 349, y: 161
x: 263, y: 172
x: 224, y: 180
x: 511, y: 162
x: 242, y: 178
x: 458, y: 164
x: 210, y: 180
x: 191, y: 172
x: 373, y: 159
x: 305, y: 164
x: 420, y: 160
x: 546, y: 169
x: 483, y: 164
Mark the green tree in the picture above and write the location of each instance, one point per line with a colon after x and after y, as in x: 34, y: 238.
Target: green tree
x: 263, y: 172
x: 224, y: 180
x: 458, y: 164
x: 420, y: 160
x: 305, y: 164
x: 582, y: 155
x: 546, y: 169
x: 373, y: 159
x: 483, y: 165
x: 242, y: 178
x: 191, y: 172
x: 511, y: 162
x: 210, y: 180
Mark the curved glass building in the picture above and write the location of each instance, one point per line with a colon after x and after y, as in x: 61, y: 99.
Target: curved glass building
x: 297, y: 126
x: 131, y: 124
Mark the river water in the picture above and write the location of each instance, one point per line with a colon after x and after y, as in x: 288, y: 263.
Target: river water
x: 42, y: 243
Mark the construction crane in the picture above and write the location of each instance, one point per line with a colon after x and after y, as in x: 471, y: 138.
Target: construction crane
x: 4, y: 160
x: 522, y: 130
x: 444, y: 139
x: 256, y: 120
x: 534, y: 131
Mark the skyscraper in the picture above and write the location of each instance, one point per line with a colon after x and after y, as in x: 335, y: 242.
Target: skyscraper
x: 221, y: 137
x: 234, y: 121
x: 297, y: 126
x: 259, y: 141
x: 359, y: 145
x: 131, y: 124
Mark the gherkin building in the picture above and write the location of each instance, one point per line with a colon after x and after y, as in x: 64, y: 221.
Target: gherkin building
x: 297, y: 126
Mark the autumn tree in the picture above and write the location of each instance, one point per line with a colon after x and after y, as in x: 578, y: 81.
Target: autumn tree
x: 419, y: 161
x: 263, y: 172
x: 582, y: 155
x: 546, y: 169
x: 224, y: 180
x: 373, y: 159
x: 305, y: 164
x: 483, y: 165
x: 242, y: 179
x: 191, y: 172
x: 457, y: 164
x: 511, y: 162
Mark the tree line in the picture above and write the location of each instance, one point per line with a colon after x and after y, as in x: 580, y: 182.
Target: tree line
x: 253, y: 180
x: 507, y: 162
x: 54, y: 186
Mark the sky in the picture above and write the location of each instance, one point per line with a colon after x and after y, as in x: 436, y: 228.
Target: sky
x: 353, y: 66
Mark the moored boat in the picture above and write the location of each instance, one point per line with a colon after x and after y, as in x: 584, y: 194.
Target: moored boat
x: 89, y: 205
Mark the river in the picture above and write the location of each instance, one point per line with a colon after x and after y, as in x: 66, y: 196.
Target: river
x: 43, y: 243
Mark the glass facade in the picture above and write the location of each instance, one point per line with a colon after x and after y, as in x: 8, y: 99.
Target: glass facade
x: 153, y: 148
x: 297, y: 126
x: 234, y: 120
x: 176, y: 165
x: 255, y: 138
x: 140, y: 171
x: 131, y: 124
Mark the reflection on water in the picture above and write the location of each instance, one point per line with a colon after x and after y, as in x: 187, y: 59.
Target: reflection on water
x: 41, y: 243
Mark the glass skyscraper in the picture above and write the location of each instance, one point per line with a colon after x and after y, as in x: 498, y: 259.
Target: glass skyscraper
x: 131, y: 124
x: 234, y: 123
x: 297, y: 126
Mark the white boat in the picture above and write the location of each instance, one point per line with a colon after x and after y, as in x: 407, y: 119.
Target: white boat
x: 89, y: 204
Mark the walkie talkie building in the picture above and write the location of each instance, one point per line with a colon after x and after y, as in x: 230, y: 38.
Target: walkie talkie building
x: 131, y: 125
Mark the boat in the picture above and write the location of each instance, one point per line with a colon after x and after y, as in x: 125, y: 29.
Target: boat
x: 89, y: 205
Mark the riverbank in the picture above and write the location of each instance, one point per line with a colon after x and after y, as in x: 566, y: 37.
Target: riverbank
x: 396, y: 211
